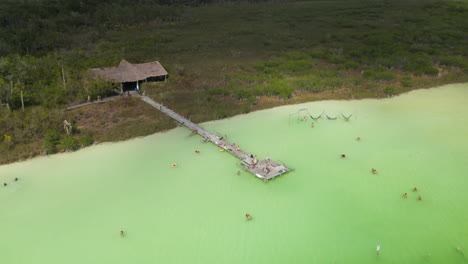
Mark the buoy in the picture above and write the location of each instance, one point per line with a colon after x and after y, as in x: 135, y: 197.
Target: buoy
x: 197, y: 151
x: 174, y: 165
x: 221, y: 150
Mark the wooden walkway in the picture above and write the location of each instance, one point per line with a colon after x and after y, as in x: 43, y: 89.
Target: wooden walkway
x: 263, y: 169
x: 104, y: 100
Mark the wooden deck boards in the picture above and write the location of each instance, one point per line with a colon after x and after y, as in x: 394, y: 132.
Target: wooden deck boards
x: 263, y: 169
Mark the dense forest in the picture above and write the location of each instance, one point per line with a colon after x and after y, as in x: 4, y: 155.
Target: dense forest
x: 223, y: 57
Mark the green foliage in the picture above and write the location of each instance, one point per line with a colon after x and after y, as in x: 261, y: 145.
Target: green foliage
x: 296, y: 66
x: 219, y: 91
x: 86, y: 140
x: 389, y: 90
x: 221, y: 114
x: 420, y: 66
x: 268, y: 52
x: 95, y: 88
x: 456, y: 61
x: 407, y: 82
x: 280, y: 88
x: 380, y: 76
x: 69, y: 143
x: 245, y: 109
x: 51, y: 140
x: 310, y: 83
x: 351, y: 65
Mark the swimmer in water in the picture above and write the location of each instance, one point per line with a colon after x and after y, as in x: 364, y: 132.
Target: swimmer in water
x: 16, y: 179
x: 405, y: 195
x: 378, y: 250
x: 415, y: 189
x: 238, y: 172
x: 249, y: 217
x: 374, y: 171
x: 122, y: 233
x: 343, y: 156
x: 312, y: 125
x: 5, y: 184
x: 419, y: 198
x: 358, y: 139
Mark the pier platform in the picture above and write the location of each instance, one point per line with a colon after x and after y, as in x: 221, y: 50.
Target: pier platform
x: 263, y: 169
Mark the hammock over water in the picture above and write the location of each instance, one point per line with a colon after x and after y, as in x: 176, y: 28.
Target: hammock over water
x: 346, y: 118
x: 316, y: 118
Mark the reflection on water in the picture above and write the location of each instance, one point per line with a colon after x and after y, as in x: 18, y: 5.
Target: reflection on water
x: 70, y: 208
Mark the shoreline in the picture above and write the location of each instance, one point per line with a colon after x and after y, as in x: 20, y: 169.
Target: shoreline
x: 167, y: 129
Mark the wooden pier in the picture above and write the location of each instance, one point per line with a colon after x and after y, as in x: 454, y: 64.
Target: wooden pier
x: 263, y: 169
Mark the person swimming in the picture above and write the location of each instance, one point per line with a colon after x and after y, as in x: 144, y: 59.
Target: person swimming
x: 358, y: 139
x: 16, y: 179
x: 238, y: 172
x: 405, y: 195
x: 374, y: 171
x: 122, y: 233
x: 5, y: 184
x: 312, y: 125
x: 197, y: 151
x: 249, y: 217
x: 419, y: 198
x: 378, y: 250
x: 343, y: 156
x: 415, y: 189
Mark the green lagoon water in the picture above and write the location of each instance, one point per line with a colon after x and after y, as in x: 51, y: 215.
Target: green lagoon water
x: 69, y: 208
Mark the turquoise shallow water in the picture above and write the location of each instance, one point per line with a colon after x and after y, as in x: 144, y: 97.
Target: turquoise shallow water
x: 69, y: 208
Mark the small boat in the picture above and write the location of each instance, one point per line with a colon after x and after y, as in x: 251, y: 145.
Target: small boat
x: 258, y: 175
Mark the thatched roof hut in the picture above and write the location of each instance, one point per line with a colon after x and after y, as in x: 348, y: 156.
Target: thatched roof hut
x: 131, y: 74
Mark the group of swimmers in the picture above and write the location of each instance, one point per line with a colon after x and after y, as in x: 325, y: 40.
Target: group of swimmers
x: 6, y: 184
x: 405, y: 195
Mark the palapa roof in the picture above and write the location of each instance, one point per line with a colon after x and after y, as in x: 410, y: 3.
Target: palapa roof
x: 127, y: 72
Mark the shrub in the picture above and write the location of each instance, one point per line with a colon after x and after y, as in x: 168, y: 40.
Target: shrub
x: 457, y: 61
x: 296, y: 66
x: 69, y: 143
x: 389, y: 90
x: 310, y: 84
x: 385, y: 76
x: 420, y: 66
x: 356, y: 81
x: 296, y: 55
x: 369, y: 74
x: 86, y: 140
x: 101, y: 88
x: 219, y: 91
x: 51, y: 140
x: 279, y: 88
x: 245, y: 109
x: 319, y: 54
x: 241, y: 93
x: 351, y: 65
x: 221, y: 114
x: 406, y: 81
x: 336, y: 59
